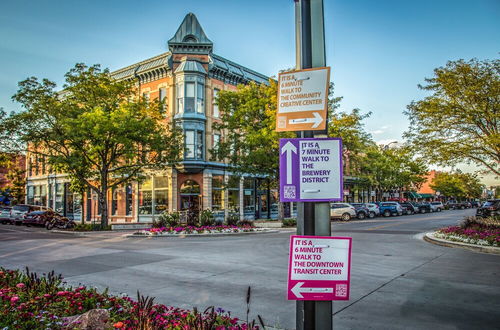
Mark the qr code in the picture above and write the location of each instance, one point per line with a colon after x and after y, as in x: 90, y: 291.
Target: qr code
x: 289, y: 192
x: 281, y: 122
x: 341, y: 290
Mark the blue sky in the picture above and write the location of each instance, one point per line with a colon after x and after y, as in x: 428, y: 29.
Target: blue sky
x: 378, y: 50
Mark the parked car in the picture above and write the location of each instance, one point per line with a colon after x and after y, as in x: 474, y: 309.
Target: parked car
x: 5, y: 215
x: 453, y: 205
x: 19, y: 211
x: 409, y: 208
x: 40, y: 217
x: 489, y: 208
x: 361, y: 210
x: 437, y: 206
x: 373, y: 209
x: 424, y: 207
x: 475, y: 204
x: 390, y: 208
x: 342, y: 211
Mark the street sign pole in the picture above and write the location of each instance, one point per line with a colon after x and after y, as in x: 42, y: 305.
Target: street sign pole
x: 312, y: 218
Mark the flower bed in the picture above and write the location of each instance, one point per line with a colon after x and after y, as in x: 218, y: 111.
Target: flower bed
x: 186, y: 230
x: 473, y: 231
x: 30, y: 302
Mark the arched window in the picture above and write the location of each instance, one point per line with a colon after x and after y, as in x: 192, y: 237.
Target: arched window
x: 190, y: 187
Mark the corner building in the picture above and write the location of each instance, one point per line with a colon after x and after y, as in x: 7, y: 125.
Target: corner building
x: 187, y: 78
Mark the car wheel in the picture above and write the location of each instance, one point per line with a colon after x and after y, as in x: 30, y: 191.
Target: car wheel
x: 346, y: 217
x: 371, y: 215
x: 387, y: 213
x: 361, y: 215
x: 439, y: 209
x: 462, y: 207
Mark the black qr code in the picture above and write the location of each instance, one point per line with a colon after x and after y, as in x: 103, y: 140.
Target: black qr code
x: 289, y: 192
x: 341, y: 290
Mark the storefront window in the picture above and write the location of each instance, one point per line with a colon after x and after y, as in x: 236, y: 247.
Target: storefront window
x: 249, y: 198
x: 234, y: 193
x: 146, y: 197
x: 31, y: 195
x: 217, y: 192
x: 128, y: 200
x: 160, y: 194
x: 59, y: 208
x: 274, y: 204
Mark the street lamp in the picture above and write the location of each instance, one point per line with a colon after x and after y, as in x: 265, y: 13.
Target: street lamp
x: 388, y: 144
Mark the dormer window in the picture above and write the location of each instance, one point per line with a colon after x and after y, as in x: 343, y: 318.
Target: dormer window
x: 190, y: 38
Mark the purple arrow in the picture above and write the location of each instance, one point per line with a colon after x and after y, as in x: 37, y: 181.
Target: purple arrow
x: 289, y: 148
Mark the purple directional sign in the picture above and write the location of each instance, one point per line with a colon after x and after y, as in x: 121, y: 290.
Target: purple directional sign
x: 311, y: 170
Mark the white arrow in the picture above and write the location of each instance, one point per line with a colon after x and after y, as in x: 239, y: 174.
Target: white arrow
x: 298, y: 290
x: 316, y: 120
x: 288, y: 148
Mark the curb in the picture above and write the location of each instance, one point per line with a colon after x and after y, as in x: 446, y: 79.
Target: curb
x: 431, y: 238
x: 83, y: 233
x: 203, y: 235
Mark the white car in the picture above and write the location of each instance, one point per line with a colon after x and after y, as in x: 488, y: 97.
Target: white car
x: 343, y: 211
x: 436, y: 206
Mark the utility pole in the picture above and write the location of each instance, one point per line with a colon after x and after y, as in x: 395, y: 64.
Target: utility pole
x: 313, y: 218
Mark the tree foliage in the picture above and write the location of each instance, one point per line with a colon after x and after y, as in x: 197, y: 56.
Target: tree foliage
x: 96, y: 130
x: 457, y: 185
x: 458, y: 122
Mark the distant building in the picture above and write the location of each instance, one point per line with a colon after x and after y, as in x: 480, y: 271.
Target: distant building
x: 187, y: 77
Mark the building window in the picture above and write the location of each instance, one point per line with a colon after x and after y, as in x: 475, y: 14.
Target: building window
x: 200, y: 98
x: 59, y: 207
x: 128, y: 199
x: 217, y: 193
x: 233, y: 194
x: 146, y: 197
x: 249, y: 198
x: 114, y: 201
x: 162, y: 96
x: 215, y: 105
x: 180, y: 98
x: 193, y: 144
x: 216, y: 140
x: 160, y: 194
x: 191, y: 97
x: 145, y: 95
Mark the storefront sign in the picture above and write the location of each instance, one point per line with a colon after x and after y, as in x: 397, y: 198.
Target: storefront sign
x: 319, y: 268
x: 303, y: 100
x: 311, y: 170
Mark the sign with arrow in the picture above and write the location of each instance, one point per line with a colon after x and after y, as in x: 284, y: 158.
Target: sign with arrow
x: 303, y: 100
x: 311, y: 170
x: 319, y: 268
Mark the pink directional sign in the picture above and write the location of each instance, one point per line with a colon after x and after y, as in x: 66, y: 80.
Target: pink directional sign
x: 311, y: 170
x: 319, y: 268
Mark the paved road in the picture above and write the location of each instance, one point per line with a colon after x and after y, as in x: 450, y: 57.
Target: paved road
x: 398, y: 280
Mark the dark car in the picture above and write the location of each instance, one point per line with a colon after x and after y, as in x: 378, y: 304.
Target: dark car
x: 475, y: 204
x: 40, y: 217
x: 19, y: 211
x: 424, y: 207
x: 5, y: 215
x: 409, y: 208
x: 361, y: 210
x: 490, y: 208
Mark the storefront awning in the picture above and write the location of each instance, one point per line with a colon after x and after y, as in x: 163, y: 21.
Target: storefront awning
x: 412, y: 194
x: 426, y: 195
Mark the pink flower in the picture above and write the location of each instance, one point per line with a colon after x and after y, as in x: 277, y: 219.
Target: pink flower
x: 20, y: 285
x: 46, y: 295
x: 61, y: 293
x: 14, y: 299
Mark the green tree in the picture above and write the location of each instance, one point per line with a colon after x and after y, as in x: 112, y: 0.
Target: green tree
x: 459, y: 121
x: 392, y: 168
x: 457, y: 185
x: 96, y: 130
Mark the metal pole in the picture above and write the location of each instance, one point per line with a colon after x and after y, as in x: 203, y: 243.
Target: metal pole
x: 313, y: 218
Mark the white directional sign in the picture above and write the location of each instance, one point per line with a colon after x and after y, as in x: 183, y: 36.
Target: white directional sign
x: 310, y: 170
x: 303, y: 100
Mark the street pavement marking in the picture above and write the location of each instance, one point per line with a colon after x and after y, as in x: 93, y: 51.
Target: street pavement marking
x: 393, y: 224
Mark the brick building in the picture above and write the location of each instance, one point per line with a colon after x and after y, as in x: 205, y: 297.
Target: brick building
x: 187, y: 78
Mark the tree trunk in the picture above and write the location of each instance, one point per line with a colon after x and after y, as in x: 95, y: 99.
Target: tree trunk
x: 103, y: 199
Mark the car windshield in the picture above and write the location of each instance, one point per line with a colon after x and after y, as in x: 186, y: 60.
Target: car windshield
x: 489, y: 203
x: 436, y: 203
x: 388, y: 204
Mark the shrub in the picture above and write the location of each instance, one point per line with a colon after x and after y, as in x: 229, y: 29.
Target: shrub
x: 290, y: 222
x: 207, y: 218
x: 232, y: 219
x: 167, y: 220
x: 248, y: 223
x: 28, y: 301
x: 91, y: 227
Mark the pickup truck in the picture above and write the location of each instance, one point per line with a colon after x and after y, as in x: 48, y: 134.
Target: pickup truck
x: 390, y: 208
